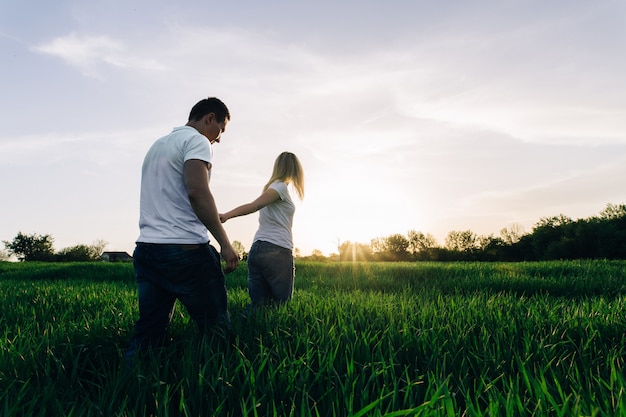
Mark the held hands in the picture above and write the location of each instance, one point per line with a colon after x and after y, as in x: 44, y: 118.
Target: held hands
x: 232, y: 259
x: 228, y: 253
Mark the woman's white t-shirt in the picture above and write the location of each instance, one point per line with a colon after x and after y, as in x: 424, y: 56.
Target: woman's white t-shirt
x: 276, y: 219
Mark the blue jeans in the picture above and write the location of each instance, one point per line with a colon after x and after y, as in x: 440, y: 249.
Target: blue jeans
x: 271, y: 273
x: 190, y: 273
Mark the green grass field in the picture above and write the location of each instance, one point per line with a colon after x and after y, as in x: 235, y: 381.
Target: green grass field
x: 425, y: 339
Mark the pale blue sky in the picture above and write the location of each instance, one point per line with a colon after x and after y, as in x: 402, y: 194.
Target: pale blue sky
x: 432, y: 116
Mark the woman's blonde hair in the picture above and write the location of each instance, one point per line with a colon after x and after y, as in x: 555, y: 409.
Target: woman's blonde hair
x: 287, y: 168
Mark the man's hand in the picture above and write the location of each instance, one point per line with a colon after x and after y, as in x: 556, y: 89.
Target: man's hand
x: 230, y: 256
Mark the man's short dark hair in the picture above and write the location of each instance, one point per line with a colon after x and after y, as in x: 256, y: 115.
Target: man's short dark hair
x: 209, y: 105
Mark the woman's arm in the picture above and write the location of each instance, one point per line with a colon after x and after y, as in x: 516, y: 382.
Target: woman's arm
x: 268, y: 197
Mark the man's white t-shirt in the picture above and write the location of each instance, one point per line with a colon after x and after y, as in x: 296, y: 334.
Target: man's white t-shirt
x: 276, y: 219
x: 166, y: 215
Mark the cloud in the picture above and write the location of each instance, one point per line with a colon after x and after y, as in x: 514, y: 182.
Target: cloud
x: 512, y: 83
x: 91, y: 53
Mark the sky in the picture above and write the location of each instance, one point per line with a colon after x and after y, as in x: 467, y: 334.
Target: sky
x: 406, y: 115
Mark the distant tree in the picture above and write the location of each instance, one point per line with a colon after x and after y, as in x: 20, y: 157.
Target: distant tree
x: 4, y: 255
x: 552, y: 222
x: 489, y: 248
x: 82, y: 253
x: 354, y: 251
x: 333, y: 257
x: 548, y: 237
x: 345, y: 250
x: 377, y: 245
x: 461, y: 241
x: 512, y: 234
x: 240, y: 249
x: 483, y: 242
x: 613, y: 211
x: 397, y: 246
x: 421, y: 245
x: 96, y: 249
x: 610, y: 232
x: 31, y: 247
x: 316, y: 255
x: 391, y: 248
x: 78, y: 253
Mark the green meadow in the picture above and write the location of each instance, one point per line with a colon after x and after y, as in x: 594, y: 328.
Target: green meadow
x: 358, y: 339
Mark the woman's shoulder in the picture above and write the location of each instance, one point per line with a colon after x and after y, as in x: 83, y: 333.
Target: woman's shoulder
x: 278, y: 184
x: 281, y: 188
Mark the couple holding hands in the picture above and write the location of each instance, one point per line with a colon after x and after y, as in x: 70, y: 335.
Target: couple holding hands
x: 173, y: 258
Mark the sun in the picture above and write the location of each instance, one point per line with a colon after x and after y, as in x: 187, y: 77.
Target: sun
x: 327, y: 219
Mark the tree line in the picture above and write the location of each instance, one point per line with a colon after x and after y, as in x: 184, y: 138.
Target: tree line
x: 36, y: 247
x: 552, y: 238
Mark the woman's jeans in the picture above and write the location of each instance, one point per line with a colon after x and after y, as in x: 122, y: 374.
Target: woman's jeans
x: 271, y: 273
x: 190, y: 273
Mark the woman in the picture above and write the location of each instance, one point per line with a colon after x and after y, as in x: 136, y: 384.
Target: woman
x: 271, y: 267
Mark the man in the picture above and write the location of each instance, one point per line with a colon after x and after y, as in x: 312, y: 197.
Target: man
x: 173, y: 258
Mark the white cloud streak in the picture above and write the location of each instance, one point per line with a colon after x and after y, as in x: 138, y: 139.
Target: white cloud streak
x: 90, y: 53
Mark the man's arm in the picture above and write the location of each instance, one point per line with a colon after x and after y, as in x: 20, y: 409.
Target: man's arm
x: 196, y: 179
